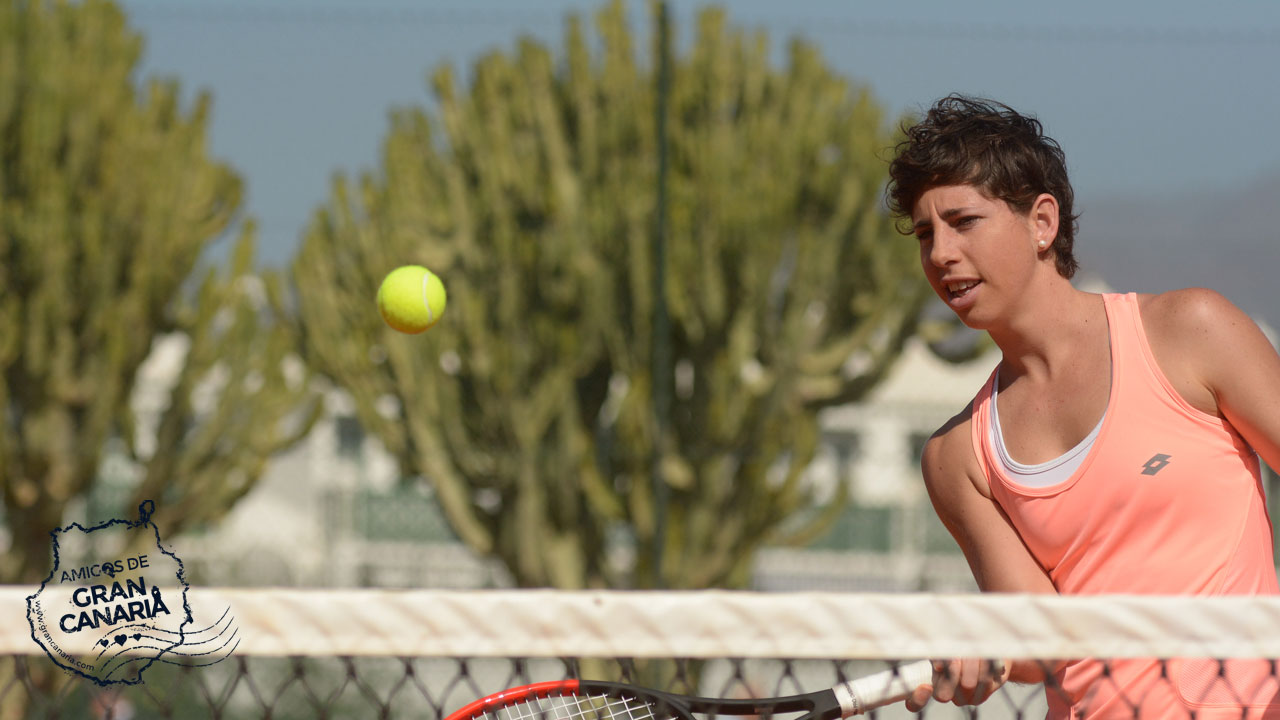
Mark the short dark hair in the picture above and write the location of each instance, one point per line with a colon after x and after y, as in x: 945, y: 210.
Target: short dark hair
x: 974, y: 141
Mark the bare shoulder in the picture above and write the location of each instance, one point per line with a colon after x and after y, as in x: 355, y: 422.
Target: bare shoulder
x: 962, y: 498
x: 948, y: 462
x: 1201, y: 341
x: 1191, y: 314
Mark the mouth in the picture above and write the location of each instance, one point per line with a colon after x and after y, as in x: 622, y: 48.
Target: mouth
x: 960, y: 288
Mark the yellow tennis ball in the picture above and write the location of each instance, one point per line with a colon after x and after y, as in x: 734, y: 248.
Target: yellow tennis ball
x: 411, y: 299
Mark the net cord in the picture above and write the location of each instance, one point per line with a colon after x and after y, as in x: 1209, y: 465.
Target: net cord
x: 711, y: 624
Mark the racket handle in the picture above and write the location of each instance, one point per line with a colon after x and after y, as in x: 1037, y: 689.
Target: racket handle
x: 884, y: 688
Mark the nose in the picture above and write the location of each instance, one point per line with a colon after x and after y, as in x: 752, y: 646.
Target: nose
x: 943, y: 249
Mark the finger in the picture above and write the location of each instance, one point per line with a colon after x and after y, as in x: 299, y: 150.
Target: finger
x: 919, y: 698
x: 971, y: 671
x: 968, y: 681
x: 945, y: 675
x: 995, y: 676
x: 989, y: 675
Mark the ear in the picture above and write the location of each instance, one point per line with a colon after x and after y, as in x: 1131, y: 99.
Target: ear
x: 1044, y: 220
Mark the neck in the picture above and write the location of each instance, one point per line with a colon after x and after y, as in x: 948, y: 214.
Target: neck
x: 1053, y: 325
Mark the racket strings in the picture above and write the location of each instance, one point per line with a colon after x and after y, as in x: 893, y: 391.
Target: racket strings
x: 582, y: 707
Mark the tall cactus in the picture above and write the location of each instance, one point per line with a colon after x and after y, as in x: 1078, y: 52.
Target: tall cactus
x: 532, y: 192
x: 108, y: 199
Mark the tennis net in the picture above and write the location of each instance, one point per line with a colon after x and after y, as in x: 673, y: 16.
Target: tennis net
x: 293, y: 653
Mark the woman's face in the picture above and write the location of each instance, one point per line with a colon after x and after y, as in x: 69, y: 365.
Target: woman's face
x: 978, y: 253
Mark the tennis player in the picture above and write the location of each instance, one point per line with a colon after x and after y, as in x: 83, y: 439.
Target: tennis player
x: 1114, y: 449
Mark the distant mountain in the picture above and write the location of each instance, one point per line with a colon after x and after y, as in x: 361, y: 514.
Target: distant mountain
x: 1228, y: 240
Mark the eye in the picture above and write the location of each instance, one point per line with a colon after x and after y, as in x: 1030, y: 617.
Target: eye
x: 924, y: 235
x: 966, y: 221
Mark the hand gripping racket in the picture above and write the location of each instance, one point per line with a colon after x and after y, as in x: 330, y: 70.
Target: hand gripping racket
x: 592, y: 700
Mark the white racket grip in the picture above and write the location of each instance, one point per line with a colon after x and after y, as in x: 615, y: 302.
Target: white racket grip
x: 868, y: 693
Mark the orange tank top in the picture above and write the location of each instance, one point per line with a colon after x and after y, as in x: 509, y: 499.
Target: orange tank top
x: 1168, y: 501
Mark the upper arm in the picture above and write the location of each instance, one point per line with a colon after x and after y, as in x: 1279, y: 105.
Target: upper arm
x: 997, y: 556
x: 1216, y: 352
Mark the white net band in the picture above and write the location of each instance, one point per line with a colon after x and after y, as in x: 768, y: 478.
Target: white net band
x: 713, y: 624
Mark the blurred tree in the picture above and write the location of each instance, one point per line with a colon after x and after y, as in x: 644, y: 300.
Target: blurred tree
x: 107, y: 200
x: 532, y: 192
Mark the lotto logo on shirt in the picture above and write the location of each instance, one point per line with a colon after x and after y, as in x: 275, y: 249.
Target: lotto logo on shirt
x: 1156, y: 464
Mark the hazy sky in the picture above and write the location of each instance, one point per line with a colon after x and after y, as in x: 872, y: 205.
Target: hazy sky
x: 1147, y: 98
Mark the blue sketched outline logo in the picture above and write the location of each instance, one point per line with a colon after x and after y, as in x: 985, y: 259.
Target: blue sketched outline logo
x: 108, y: 617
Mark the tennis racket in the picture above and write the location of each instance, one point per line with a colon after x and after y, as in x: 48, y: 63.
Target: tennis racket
x: 592, y: 700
